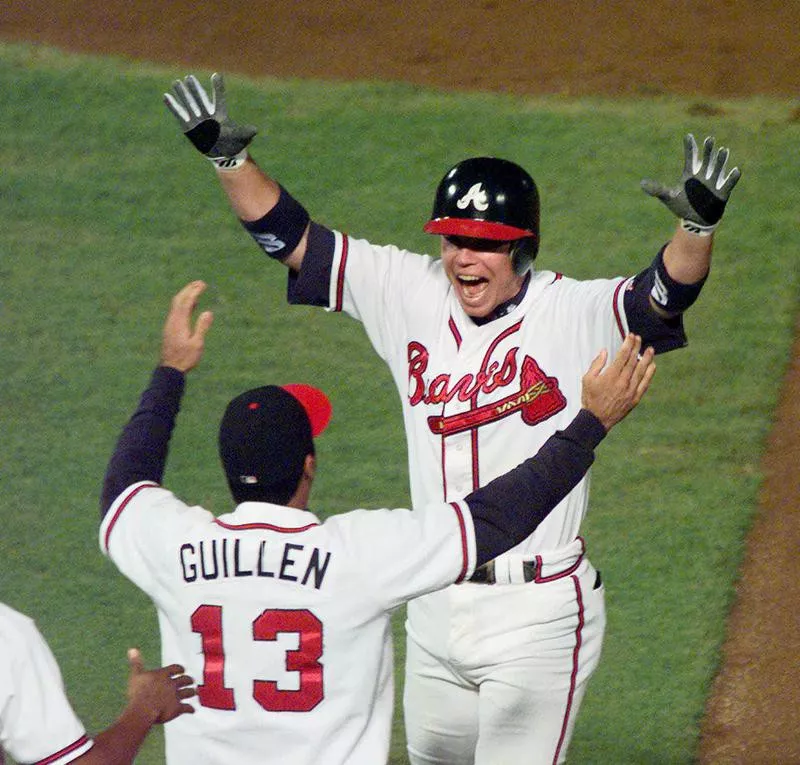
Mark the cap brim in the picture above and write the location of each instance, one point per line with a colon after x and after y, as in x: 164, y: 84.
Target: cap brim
x: 315, y: 402
x: 476, y: 229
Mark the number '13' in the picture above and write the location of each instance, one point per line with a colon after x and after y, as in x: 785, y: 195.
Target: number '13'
x: 207, y: 621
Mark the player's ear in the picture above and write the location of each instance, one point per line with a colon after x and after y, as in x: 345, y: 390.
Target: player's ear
x: 309, y: 467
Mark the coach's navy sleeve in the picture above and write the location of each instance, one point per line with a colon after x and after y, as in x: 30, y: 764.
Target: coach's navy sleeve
x: 141, y: 451
x: 509, y: 508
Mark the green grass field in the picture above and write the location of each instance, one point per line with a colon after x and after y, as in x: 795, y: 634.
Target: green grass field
x: 107, y: 211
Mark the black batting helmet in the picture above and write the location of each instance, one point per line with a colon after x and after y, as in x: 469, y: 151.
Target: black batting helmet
x: 488, y: 198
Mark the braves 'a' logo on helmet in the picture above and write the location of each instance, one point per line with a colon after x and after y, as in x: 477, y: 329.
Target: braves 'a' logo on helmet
x: 476, y: 196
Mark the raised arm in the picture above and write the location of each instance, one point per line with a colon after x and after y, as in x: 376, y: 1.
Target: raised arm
x: 277, y: 222
x: 699, y: 200
x: 509, y: 508
x: 141, y: 451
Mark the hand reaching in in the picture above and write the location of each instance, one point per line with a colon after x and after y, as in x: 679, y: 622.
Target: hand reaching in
x: 611, y: 392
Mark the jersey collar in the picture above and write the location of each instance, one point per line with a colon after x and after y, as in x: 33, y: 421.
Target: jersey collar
x: 507, y: 306
x: 266, y: 513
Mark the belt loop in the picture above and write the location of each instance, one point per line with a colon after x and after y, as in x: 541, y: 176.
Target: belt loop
x: 530, y: 569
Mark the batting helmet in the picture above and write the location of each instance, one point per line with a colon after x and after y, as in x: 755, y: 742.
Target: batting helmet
x: 488, y: 198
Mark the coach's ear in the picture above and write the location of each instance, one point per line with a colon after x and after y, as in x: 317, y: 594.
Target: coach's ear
x: 309, y: 467
x: 303, y: 491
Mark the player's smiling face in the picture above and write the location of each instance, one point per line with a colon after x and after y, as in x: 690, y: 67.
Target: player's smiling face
x: 481, y: 272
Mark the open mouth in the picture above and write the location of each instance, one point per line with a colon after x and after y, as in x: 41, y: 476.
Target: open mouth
x: 472, y: 286
x: 468, y: 281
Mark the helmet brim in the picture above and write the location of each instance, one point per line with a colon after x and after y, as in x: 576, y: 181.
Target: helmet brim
x: 476, y: 229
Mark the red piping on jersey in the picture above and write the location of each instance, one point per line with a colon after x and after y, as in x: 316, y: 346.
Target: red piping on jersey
x: 82, y: 741
x: 263, y: 526
x: 340, y: 273
x: 574, y: 677
x: 122, y: 506
x: 616, y: 309
x: 476, y: 481
x: 442, y: 466
x: 561, y: 574
x: 457, y: 339
x: 464, y: 549
x: 454, y: 330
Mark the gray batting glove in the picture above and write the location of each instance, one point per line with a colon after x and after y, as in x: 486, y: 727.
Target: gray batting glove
x: 205, y: 121
x: 700, y: 198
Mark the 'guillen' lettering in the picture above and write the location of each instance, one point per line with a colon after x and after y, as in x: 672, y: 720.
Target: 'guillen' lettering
x: 234, y: 558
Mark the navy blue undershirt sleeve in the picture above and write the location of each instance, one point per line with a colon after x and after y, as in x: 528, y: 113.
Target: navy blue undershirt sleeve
x: 661, y: 333
x: 141, y: 451
x: 509, y: 508
x: 310, y: 286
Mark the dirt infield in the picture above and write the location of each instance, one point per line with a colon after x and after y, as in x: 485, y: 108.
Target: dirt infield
x: 572, y: 47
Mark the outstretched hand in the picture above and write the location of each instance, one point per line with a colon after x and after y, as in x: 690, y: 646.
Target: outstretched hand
x: 704, y: 188
x: 205, y: 120
x: 159, y: 694
x: 182, y: 345
x: 610, y: 393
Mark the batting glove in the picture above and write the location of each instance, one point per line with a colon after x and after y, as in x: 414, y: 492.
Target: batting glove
x: 700, y: 198
x: 205, y: 121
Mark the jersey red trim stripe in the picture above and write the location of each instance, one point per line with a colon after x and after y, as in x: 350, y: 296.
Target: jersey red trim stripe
x: 454, y: 331
x: 340, y: 273
x: 443, y: 465
x: 476, y: 466
x: 617, y: 315
x: 122, y: 506
x: 263, y: 526
x: 561, y: 574
x: 574, y: 676
x: 464, y: 546
x: 81, y: 742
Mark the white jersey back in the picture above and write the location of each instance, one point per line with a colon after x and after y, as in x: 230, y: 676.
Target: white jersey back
x: 283, y: 620
x: 478, y: 400
x: 37, y: 723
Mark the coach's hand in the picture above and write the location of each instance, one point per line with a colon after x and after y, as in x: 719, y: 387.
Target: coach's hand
x: 182, y: 346
x: 205, y: 121
x: 700, y: 197
x: 610, y: 393
x: 158, y: 694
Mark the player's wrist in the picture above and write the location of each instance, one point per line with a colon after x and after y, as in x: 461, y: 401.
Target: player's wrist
x: 227, y: 164
x: 697, y: 229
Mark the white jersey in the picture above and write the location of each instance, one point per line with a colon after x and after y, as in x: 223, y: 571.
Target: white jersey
x: 478, y: 400
x: 283, y: 621
x: 37, y: 723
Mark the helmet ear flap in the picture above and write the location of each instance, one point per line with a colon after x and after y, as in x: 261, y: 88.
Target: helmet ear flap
x: 523, y: 252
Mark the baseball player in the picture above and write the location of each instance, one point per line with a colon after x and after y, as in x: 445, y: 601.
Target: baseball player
x: 37, y: 723
x: 486, y: 352
x: 286, y: 619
